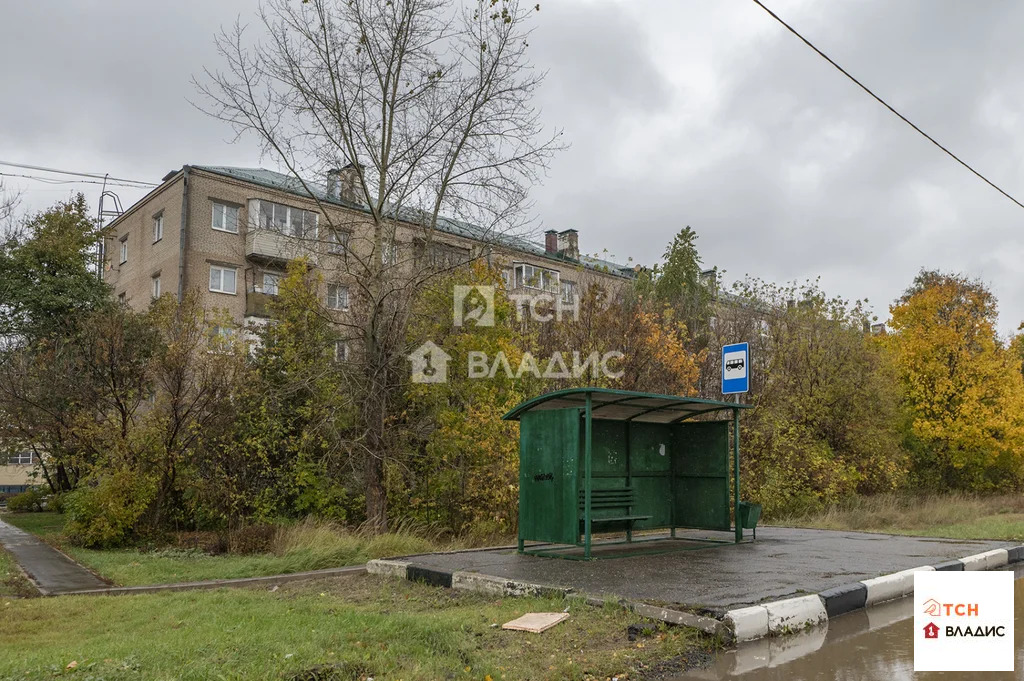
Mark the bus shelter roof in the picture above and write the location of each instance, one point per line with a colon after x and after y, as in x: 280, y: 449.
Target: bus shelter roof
x: 624, y: 405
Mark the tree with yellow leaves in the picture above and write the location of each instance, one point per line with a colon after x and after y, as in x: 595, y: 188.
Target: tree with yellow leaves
x: 962, y: 386
x: 462, y: 471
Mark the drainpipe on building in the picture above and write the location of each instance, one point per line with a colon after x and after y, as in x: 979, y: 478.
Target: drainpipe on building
x: 181, y: 236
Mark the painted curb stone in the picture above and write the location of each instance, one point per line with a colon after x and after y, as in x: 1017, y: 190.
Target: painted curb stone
x: 748, y: 623
x: 388, y: 568
x: 794, y: 614
x: 843, y: 599
x: 896, y: 585
x: 987, y: 560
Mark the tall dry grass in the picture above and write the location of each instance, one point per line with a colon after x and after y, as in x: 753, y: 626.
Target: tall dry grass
x: 901, y: 513
x: 315, y: 544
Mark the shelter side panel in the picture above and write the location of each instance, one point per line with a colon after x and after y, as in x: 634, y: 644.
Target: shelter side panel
x: 701, y: 472
x: 610, y: 454
x: 650, y: 473
x: 549, y: 451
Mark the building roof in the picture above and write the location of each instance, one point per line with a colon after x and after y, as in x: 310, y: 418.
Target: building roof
x: 624, y: 405
x: 290, y: 184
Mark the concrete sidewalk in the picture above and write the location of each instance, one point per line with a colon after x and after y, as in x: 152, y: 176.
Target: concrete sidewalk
x: 50, y: 570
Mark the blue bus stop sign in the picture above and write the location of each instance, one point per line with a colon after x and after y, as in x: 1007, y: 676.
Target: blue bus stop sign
x: 735, y: 369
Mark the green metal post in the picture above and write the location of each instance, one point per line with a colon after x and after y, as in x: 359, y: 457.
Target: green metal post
x: 736, y: 472
x: 586, y: 478
x: 629, y: 476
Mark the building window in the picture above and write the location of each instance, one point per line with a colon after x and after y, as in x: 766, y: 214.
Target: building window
x: 124, y: 249
x: 156, y: 286
x: 225, y: 217
x: 222, y: 279
x: 221, y: 338
x: 506, y: 278
x: 337, y: 241
x: 528, y: 276
x: 21, y: 459
x: 271, y: 283
x: 337, y: 297
x: 158, y: 228
x: 340, y: 351
x: 122, y: 298
x: 286, y: 219
x: 568, y: 292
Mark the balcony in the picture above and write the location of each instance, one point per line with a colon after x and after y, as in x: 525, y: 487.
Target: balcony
x: 256, y: 304
x: 270, y: 246
x: 276, y: 234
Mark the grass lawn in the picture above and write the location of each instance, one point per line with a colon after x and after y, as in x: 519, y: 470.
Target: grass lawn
x: 350, y: 627
x: 307, y: 547
x: 956, y: 516
x: 44, y: 525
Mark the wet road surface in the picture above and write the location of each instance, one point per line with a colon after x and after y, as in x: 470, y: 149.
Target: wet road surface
x: 876, y: 643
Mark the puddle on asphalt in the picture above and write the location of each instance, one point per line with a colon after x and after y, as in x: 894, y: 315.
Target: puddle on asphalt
x: 876, y: 643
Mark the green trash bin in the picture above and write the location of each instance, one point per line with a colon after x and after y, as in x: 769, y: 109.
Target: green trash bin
x: 750, y: 513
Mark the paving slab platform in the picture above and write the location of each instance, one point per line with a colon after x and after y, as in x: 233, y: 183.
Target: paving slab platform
x: 782, y: 563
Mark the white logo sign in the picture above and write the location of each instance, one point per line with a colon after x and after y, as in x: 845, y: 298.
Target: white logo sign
x: 429, y: 363
x: 963, y: 621
x: 474, y: 305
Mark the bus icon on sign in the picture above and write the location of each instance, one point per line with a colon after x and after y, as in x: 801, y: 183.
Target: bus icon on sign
x: 734, y: 365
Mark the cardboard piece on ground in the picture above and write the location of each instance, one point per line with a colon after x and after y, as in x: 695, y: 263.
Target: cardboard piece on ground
x: 536, y: 622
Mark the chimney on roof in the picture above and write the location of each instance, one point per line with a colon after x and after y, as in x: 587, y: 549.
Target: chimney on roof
x: 351, y: 186
x: 334, y: 183
x: 568, y: 244
x: 343, y: 184
x: 551, y: 242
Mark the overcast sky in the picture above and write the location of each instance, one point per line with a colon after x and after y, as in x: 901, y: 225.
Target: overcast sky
x: 683, y: 112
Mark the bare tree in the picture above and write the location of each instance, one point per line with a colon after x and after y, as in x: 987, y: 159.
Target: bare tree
x: 8, y: 231
x: 428, y: 103
x: 8, y: 204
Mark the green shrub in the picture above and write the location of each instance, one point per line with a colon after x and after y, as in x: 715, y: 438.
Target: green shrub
x: 105, y: 512
x: 28, y: 501
x: 56, y: 503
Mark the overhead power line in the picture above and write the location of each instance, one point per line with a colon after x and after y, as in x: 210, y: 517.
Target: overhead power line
x: 50, y: 180
x: 96, y: 176
x: 887, y: 105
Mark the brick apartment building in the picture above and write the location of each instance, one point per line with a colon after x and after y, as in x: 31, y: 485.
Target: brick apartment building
x: 229, y: 233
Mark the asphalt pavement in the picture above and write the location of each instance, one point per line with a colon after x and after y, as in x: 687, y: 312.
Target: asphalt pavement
x: 52, y: 571
x: 783, y: 562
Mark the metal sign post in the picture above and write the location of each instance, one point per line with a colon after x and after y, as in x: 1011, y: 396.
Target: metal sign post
x: 736, y: 380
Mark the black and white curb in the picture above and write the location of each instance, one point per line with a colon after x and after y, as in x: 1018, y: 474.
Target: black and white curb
x: 460, y: 579
x: 498, y: 586
x: 742, y: 624
x: 793, y: 614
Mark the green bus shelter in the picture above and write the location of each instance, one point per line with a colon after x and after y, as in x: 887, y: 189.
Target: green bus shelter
x: 596, y: 459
